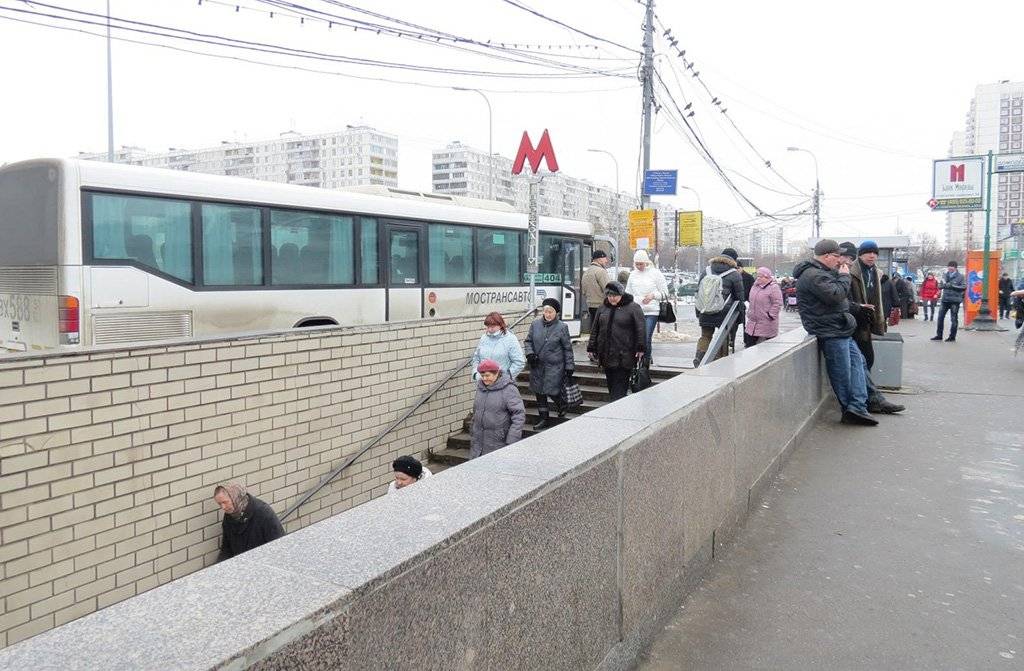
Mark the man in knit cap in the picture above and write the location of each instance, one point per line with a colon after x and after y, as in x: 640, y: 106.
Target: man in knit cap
x: 866, y: 307
x: 823, y: 284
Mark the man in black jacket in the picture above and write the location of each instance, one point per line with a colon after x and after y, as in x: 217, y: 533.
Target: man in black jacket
x: 823, y: 285
x: 953, y: 288
x: 1005, y: 289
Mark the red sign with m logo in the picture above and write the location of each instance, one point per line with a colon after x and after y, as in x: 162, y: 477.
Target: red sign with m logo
x: 956, y: 173
x: 527, y: 152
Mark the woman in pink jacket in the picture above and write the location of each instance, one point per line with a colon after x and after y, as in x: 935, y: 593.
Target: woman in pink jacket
x: 763, y: 310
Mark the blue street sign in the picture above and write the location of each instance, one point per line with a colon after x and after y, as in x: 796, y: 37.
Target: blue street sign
x: 660, y: 182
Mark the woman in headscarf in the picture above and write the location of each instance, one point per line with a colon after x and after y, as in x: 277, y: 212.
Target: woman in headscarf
x: 248, y: 522
x: 763, y: 311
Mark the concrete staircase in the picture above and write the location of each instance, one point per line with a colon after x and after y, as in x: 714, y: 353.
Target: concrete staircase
x: 592, y: 384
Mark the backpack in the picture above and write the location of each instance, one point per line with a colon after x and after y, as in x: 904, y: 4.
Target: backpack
x: 709, y: 299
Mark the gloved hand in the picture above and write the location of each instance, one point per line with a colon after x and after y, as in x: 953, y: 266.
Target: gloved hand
x: 569, y: 372
x: 532, y: 360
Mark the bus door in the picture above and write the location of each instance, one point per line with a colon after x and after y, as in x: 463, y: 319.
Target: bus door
x: 572, y: 281
x: 404, y: 271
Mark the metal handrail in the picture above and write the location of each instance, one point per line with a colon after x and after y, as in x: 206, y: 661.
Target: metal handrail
x: 336, y: 471
x: 723, y: 330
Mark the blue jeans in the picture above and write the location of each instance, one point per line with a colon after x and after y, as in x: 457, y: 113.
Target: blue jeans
x: 954, y: 312
x: 650, y: 321
x: 845, y: 366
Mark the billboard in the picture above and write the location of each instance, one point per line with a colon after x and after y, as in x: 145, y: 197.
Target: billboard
x: 958, y: 184
x: 642, y: 228
x: 690, y: 228
x: 976, y: 282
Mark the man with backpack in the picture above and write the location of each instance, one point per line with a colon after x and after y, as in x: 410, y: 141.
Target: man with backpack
x: 719, y: 288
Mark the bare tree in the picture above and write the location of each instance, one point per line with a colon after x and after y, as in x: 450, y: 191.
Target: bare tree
x: 926, y: 252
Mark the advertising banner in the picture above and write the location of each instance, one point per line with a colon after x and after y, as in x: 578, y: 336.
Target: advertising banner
x: 691, y: 228
x: 976, y: 281
x: 958, y: 184
x: 642, y: 226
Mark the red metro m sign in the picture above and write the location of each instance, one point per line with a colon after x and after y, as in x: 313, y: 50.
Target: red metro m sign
x: 527, y: 152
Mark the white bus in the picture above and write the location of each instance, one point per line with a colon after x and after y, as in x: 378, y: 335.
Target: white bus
x: 94, y: 253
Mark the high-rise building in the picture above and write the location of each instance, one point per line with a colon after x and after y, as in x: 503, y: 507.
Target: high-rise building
x: 994, y: 122
x: 356, y: 156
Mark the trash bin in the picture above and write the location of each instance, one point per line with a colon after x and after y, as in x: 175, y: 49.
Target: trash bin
x: 887, y: 372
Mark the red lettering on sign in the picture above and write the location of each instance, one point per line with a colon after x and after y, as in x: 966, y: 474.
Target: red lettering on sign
x: 956, y: 173
x: 527, y: 152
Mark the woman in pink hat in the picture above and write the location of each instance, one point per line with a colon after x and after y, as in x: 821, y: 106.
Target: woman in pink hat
x: 763, y: 311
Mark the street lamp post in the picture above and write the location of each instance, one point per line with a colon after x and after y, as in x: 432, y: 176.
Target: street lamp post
x: 490, y: 138
x: 110, y: 95
x: 817, y: 191
x: 618, y: 224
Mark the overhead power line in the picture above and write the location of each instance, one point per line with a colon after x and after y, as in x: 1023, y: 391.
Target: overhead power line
x: 519, y: 5
x: 717, y: 102
x: 180, y: 34
x: 299, y: 68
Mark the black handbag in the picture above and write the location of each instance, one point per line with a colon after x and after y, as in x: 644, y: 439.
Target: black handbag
x: 640, y: 377
x: 666, y: 313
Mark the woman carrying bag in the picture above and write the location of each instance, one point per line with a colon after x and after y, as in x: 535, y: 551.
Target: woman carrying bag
x: 549, y: 353
x: 617, y: 338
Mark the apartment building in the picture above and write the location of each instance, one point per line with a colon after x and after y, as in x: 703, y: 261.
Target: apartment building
x: 994, y: 121
x: 356, y: 156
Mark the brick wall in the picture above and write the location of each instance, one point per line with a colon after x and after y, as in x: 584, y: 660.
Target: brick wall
x: 108, y: 459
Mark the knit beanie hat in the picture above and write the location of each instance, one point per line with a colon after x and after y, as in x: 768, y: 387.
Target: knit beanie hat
x: 848, y: 249
x: 731, y: 253
x: 640, y: 256
x: 867, y: 246
x: 614, y: 289
x: 553, y: 302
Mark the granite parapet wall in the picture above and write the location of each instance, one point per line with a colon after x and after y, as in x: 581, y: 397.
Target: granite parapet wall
x: 566, y: 550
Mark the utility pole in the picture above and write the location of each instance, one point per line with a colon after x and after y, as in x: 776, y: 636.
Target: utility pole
x: 110, y: 95
x: 817, y: 210
x: 648, y: 81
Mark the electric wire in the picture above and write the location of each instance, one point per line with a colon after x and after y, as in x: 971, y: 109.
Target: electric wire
x: 298, y: 68
x: 221, y: 41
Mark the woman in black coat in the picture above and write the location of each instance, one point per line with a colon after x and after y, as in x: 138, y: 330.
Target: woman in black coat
x: 890, y: 296
x: 617, y: 338
x: 549, y: 352
x: 248, y: 522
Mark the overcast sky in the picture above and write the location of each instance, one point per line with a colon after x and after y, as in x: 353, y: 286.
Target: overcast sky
x: 874, y: 89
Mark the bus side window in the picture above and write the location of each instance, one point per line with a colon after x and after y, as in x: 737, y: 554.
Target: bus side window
x: 133, y: 228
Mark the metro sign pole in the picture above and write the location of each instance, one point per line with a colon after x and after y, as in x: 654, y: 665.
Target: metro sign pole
x: 984, y: 321
x: 527, y: 152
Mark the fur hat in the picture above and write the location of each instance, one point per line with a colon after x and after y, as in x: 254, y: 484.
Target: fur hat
x: 409, y: 465
x: 553, y: 302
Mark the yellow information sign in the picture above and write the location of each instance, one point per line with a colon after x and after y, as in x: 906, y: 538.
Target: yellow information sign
x: 642, y: 225
x: 691, y: 228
